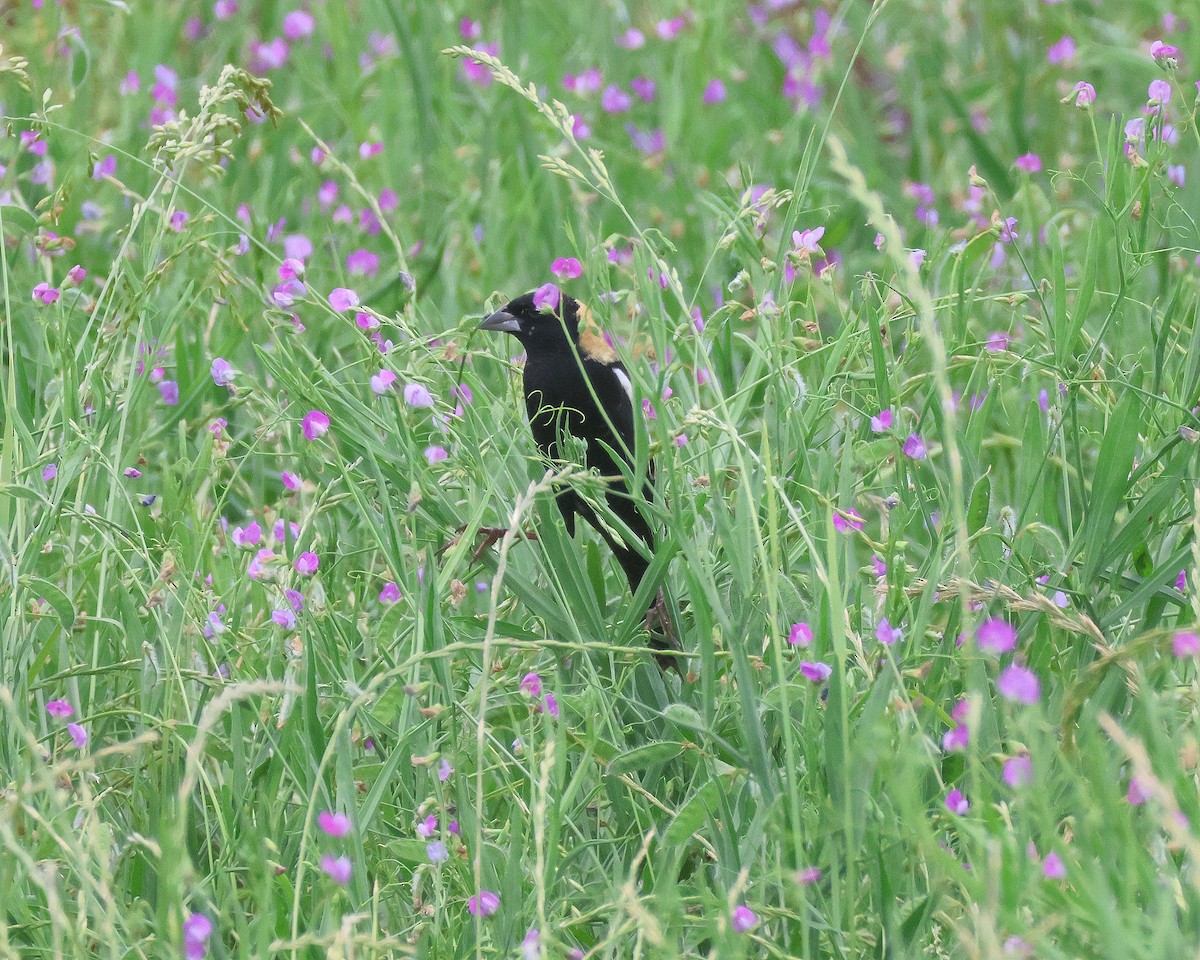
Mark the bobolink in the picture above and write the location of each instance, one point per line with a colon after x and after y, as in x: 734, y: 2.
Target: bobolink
x: 576, y: 384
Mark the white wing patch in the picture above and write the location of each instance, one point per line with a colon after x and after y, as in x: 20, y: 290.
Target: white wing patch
x: 623, y: 379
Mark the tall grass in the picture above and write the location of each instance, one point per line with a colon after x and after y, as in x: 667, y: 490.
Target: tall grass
x: 494, y: 728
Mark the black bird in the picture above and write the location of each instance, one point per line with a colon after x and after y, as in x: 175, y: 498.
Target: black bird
x: 576, y: 384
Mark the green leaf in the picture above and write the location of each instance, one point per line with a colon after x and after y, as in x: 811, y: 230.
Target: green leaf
x: 639, y: 758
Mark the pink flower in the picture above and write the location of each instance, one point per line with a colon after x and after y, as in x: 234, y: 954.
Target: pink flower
x: 178, y: 220
x: 882, y: 421
x: 291, y: 481
x: 1062, y: 51
x: 382, y: 382
x: 914, y: 447
x: 298, y: 24
x: 886, y: 634
x: 435, y: 454
x: 333, y: 824
x: 714, y: 92
x: 744, y: 919
x: 1159, y: 92
x: 222, y: 372
x: 427, y: 827
x: 169, y: 391
x: 1135, y: 795
x: 362, y: 263
x: 844, y: 524
x: 550, y: 705
x: 59, y: 708
x: 631, y: 39
x: 1020, y: 684
x: 956, y: 803
x: 284, y: 618
x: 816, y: 672
x: 566, y: 268
x: 1008, y: 230
x: 806, y: 241
x: 1053, y: 867
x: 669, y: 29
x: 390, y: 592
x: 1085, y: 94
x: 342, y: 298
x: 878, y: 567
x: 1018, y: 771
x: 469, y: 30
x: 477, y: 72
x: 338, y: 869
x: 287, y: 293
x: 546, y: 297
x: 800, y: 635
x: 197, y: 928
x: 1029, y: 162
x: 484, y: 904
x: 615, y: 100
x: 956, y: 738
x: 416, y: 395
x: 531, y: 685
x: 643, y: 88
x: 1185, y: 643
x: 314, y: 425
x: 916, y: 258
x: 1163, y: 51
x: 444, y: 772
x: 996, y: 636
x: 997, y: 342
x: 78, y: 735
x: 307, y: 563
x: 808, y: 876
x: 45, y: 294
x: 437, y: 852
x: 247, y: 536
x: 76, y: 274
x: 49, y: 472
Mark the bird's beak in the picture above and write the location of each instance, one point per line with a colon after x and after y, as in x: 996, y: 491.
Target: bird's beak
x: 503, y: 321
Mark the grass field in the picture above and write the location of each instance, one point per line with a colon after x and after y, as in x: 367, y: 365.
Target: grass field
x: 908, y: 292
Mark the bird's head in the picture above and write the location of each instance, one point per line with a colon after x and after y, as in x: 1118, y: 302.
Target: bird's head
x: 541, y: 327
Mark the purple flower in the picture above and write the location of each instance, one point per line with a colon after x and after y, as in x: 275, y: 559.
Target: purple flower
x: 1185, y: 643
x: 1163, y: 52
x: 362, y: 263
x: 847, y: 522
x: 382, y: 382
x: 643, y: 88
x: 307, y: 563
x: 284, y: 617
x: 1020, y: 684
x: 878, y: 567
x: 956, y: 803
x: 49, y: 472
x: 247, y: 536
x: 287, y: 293
x: 78, y: 735
x: 914, y: 447
x: 631, y: 39
x: 800, y: 635
x: 615, y: 100
x: 531, y: 685
x: 669, y: 29
x: 566, y: 268
x: 546, y: 297
x: 1008, y: 230
x: 314, y: 425
x: 807, y: 241
x: 743, y: 919
x: 1053, y: 867
x: 178, y: 220
x: 1018, y: 771
x: 222, y: 372
x: 882, y: 421
x: 956, y: 738
x: 531, y: 945
x: 714, y: 92
x: 886, y: 634
x: 816, y: 672
x: 59, y: 708
x: 997, y: 342
x: 416, y: 395
x: 477, y: 72
x: 1085, y: 94
x: 338, y: 869
x: 437, y: 852
x: 808, y: 876
x: 197, y: 928
x: 916, y: 258
x: 343, y: 298
x: 444, y: 772
x: 1136, y: 794
x: 291, y: 481
x: 996, y: 636
x: 550, y: 705
x: 390, y: 593
x: 169, y: 391
x: 76, y: 274
x: 435, y: 454
x: 1062, y: 51
x: 484, y: 904
x: 427, y: 827
x: 45, y: 294
x: 297, y: 24
x: 1029, y: 163
x: 333, y: 824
